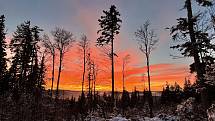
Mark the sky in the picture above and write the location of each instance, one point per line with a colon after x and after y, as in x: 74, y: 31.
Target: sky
x: 81, y: 17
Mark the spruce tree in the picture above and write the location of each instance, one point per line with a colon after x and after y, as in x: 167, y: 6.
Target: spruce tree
x: 110, y: 27
x: 24, y: 68
x: 193, y: 42
x: 3, y: 60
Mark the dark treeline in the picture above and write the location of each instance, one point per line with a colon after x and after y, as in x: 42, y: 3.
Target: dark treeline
x: 23, y: 96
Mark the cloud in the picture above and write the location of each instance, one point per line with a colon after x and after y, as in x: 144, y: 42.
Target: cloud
x: 160, y: 74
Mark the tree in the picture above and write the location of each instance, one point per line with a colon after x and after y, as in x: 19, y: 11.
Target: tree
x: 210, y: 75
x: 125, y: 62
x: 188, y: 90
x: 84, y: 47
x: 125, y: 101
x: 34, y: 76
x: 196, y: 40
x: 110, y: 27
x: 24, y: 45
x: 95, y: 74
x: 195, y: 35
x: 42, y: 73
x: 147, y: 40
x: 50, y: 47
x: 90, y: 74
x: 64, y: 40
x: 171, y: 94
x: 3, y: 60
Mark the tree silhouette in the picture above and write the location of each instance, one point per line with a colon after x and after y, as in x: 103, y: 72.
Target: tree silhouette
x: 34, y: 76
x: 24, y: 68
x: 3, y: 60
x: 147, y: 40
x: 42, y: 72
x: 188, y: 89
x: 110, y: 27
x: 196, y: 41
x: 84, y: 46
x: 124, y: 63
x: 50, y: 47
x: 64, y: 40
x: 90, y: 74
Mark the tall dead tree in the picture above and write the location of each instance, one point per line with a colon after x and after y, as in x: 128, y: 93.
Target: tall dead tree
x: 95, y: 73
x: 50, y: 47
x: 84, y: 47
x: 64, y: 40
x: 125, y: 61
x: 90, y: 75
x: 147, y: 40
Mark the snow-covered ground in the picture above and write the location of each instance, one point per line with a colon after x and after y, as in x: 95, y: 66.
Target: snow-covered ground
x: 120, y: 118
x: 186, y: 111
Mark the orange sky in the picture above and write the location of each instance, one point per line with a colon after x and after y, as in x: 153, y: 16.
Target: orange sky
x: 160, y: 73
x: 78, y: 17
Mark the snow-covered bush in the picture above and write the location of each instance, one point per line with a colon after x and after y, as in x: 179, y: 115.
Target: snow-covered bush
x: 185, y: 110
x: 210, y: 75
x: 162, y: 117
x: 189, y: 110
x: 118, y: 118
x: 211, y: 113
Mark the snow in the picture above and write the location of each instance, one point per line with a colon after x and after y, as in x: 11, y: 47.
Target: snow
x: 161, y: 117
x: 211, y: 113
x: 119, y: 118
x: 186, y: 111
x: 210, y: 75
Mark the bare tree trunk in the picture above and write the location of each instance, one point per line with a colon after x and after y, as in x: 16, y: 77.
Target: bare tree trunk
x: 112, y: 63
x: 82, y: 90
x: 149, y: 83
x: 53, y: 62
x: 59, y: 73
x: 89, y: 84
x: 123, y: 76
x: 94, y: 81
x: 193, y: 40
x: 94, y: 90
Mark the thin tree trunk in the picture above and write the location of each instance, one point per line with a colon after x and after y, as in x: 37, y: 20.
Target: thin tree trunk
x: 94, y: 81
x: 94, y: 90
x: 149, y: 83
x: 193, y: 40
x: 123, y: 76
x: 148, y: 71
x: 53, y: 62
x: 112, y: 62
x: 82, y: 90
x: 89, y: 84
x: 59, y: 73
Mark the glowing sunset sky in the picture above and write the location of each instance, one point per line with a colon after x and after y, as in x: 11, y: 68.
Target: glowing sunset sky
x: 81, y: 17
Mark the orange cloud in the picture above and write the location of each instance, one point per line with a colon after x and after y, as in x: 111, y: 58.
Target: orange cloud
x: 72, y: 71
x: 160, y: 74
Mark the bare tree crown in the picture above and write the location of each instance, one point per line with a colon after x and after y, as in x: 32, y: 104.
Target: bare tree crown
x: 63, y: 39
x: 146, y: 37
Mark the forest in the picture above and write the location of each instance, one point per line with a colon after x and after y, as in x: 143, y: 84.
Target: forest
x: 29, y: 60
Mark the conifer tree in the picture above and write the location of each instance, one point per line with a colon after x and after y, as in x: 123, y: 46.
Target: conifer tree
x: 24, y: 68
x: 196, y: 41
x: 110, y: 27
x: 3, y: 60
